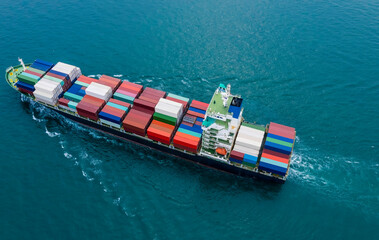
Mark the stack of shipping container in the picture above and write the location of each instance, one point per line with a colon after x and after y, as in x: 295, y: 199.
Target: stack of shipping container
x: 28, y: 78
x: 141, y: 114
x: 248, y: 144
x: 114, y: 112
x: 277, y: 149
x: 188, y: 135
x: 57, y: 80
x: 94, y: 100
x: 75, y: 93
x: 128, y: 92
x: 167, y: 114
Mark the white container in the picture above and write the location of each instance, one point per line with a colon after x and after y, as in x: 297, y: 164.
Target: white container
x: 243, y: 149
x: 99, y: 91
x: 46, y: 97
x: 248, y: 144
x: 72, y: 71
x: 250, y: 136
x: 251, y: 131
x: 48, y: 86
x: 169, y: 108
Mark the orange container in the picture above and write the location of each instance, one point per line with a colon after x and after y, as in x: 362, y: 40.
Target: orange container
x: 187, y: 136
x: 196, y: 114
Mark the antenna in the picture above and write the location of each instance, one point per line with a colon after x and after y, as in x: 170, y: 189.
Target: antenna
x: 22, y: 63
x: 228, y: 88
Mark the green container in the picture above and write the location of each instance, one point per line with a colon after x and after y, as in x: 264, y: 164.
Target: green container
x: 123, y: 98
x: 249, y: 164
x: 60, y: 81
x: 117, y: 106
x: 178, y: 97
x: 164, y: 118
x: 72, y: 97
x: 27, y: 79
x: 258, y: 127
x: 72, y: 104
x: 83, y: 84
x: 195, y: 134
x: 35, y: 70
x: 283, y: 143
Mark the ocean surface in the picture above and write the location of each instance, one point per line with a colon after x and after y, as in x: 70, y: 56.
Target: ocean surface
x: 313, y: 65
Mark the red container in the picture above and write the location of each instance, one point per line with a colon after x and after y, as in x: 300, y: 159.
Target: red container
x: 196, y: 114
x: 114, y: 111
x: 131, y: 87
x: 127, y: 93
x: 178, y: 101
x: 282, y: 127
x: 198, y: 123
x: 57, y: 76
x: 187, y: 124
x: 155, y: 92
x: 63, y: 101
x: 237, y: 155
x: 88, y: 110
x: 281, y: 133
x: 33, y: 73
x: 160, y: 134
x: 199, y: 105
x: 144, y: 104
x: 189, y: 143
x: 281, y: 155
x: 275, y: 158
x: 149, y: 98
x: 137, y: 122
x: 115, y: 101
x: 93, y: 100
x: 141, y: 109
x: 110, y: 79
x: 25, y: 91
x: 188, y: 149
x: 189, y: 137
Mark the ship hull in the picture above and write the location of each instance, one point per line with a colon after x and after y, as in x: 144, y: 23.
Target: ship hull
x: 201, y: 160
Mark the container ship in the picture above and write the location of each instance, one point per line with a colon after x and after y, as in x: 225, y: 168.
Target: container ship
x: 213, y: 134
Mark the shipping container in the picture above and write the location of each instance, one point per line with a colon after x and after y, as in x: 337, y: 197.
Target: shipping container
x: 199, y: 105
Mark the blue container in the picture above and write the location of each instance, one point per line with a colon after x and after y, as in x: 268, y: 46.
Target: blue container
x: 44, y: 62
x: 250, y: 159
x: 60, y: 74
x: 235, y: 111
x: 81, y: 92
x: 280, y: 138
x: 197, y: 110
x: 74, y: 89
x: 278, y: 148
x: 235, y: 160
x: 274, y: 162
x: 26, y: 86
x: 199, y: 119
x: 273, y: 169
x: 40, y: 67
x: 109, y: 117
x: 194, y: 128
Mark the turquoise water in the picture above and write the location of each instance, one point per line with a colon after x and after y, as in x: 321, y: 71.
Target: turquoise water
x: 311, y: 64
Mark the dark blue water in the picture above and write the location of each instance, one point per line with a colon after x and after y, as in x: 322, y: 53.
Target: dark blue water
x: 313, y: 65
